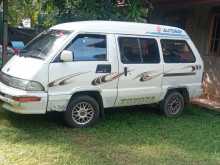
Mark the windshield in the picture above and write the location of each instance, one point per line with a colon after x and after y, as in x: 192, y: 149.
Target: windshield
x: 46, y: 43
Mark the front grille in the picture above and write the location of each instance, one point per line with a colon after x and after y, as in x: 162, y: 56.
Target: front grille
x: 5, y: 79
x: 2, y: 94
x: 5, y: 95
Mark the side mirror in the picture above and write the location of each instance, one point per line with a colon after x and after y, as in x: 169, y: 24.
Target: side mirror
x: 66, y: 56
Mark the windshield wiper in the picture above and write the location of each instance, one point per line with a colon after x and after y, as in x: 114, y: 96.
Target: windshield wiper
x: 26, y: 53
x: 22, y: 52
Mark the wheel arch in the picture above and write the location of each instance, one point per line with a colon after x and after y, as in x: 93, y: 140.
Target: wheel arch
x: 94, y: 94
x: 183, y: 91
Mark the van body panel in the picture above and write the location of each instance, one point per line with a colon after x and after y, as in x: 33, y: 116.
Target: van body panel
x: 7, y: 93
x: 28, y: 69
x: 127, y: 28
x: 184, y: 75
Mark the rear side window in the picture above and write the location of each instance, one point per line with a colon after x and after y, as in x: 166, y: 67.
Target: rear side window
x: 149, y: 50
x: 89, y: 47
x: 177, y: 51
x: 138, y: 50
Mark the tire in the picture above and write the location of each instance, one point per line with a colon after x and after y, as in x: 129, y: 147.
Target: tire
x: 82, y: 111
x: 173, y: 104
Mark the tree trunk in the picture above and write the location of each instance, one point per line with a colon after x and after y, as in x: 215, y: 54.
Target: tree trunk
x: 5, y: 32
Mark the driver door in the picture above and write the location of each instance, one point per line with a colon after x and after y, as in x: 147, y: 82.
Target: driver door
x: 91, y: 60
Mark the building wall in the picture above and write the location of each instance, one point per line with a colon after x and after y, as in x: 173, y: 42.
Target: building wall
x: 211, y: 85
x: 199, y: 30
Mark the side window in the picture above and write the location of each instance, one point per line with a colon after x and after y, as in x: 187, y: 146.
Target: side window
x: 138, y: 50
x: 177, y: 51
x: 89, y: 47
x: 149, y: 50
x: 130, y: 50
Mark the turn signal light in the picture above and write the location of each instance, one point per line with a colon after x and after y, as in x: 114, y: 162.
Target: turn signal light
x: 27, y: 99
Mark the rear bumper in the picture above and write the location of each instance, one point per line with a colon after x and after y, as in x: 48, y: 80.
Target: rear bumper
x: 7, y: 95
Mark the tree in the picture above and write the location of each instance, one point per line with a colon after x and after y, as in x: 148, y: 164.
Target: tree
x: 72, y: 10
x: 21, y: 9
x: 48, y: 12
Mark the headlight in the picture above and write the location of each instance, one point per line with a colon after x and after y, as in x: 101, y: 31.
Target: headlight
x: 20, y: 83
x: 34, y: 86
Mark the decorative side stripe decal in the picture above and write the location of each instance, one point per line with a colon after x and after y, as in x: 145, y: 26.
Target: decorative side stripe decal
x: 146, y: 76
x: 64, y: 80
x: 107, y: 78
x: 178, y: 74
x: 167, y: 34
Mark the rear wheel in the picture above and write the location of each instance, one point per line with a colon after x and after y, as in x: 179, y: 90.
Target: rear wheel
x: 173, y: 104
x: 82, y: 111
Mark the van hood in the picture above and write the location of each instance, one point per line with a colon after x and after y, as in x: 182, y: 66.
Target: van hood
x: 27, y: 68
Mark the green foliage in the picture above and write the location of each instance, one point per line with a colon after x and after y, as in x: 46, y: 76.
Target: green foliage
x: 49, y: 12
x: 71, y: 10
x: 21, y: 9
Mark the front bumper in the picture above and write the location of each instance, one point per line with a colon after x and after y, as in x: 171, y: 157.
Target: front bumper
x: 36, y: 107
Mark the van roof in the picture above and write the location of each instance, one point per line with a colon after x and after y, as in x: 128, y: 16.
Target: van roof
x: 118, y: 27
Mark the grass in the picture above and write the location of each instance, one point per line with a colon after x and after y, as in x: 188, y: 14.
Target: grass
x: 126, y: 136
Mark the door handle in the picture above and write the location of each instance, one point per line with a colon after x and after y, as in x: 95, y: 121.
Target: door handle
x: 103, y: 68
x: 125, y: 71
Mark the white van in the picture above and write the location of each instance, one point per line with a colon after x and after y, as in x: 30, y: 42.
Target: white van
x: 81, y: 68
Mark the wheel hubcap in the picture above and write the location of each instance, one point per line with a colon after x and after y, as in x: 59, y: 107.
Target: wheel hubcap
x: 174, y: 105
x: 82, y: 113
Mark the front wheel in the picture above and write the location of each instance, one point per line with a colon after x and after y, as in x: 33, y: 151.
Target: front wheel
x: 82, y: 111
x: 173, y: 104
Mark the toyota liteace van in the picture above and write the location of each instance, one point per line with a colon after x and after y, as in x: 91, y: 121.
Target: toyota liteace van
x: 81, y: 68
